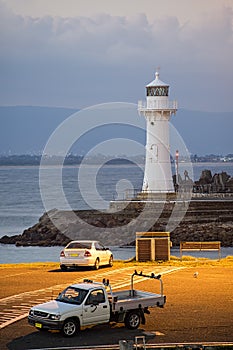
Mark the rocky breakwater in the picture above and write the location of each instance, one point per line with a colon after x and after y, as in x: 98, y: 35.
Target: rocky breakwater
x: 199, y: 220
x: 217, y: 183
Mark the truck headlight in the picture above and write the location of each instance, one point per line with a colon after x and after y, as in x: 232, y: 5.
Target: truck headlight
x: 31, y: 313
x: 55, y: 317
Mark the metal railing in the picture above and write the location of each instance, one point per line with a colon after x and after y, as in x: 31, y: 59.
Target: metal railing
x: 134, y: 194
x: 159, y: 105
x: 137, y: 194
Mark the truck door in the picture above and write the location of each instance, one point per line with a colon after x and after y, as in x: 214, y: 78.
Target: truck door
x: 96, y: 308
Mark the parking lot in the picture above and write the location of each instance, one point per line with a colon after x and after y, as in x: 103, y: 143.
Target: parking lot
x: 197, y: 309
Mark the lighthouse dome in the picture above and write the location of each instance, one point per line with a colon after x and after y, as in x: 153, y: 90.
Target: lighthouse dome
x: 157, y: 87
x: 157, y: 81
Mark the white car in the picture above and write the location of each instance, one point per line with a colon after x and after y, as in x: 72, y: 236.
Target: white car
x: 85, y: 253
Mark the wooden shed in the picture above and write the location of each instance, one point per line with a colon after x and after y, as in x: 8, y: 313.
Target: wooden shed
x: 151, y: 246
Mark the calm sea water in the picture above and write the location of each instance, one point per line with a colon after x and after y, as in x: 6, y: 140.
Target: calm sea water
x: 13, y: 255
x: 21, y: 204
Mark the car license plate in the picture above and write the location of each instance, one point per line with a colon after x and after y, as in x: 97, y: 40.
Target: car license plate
x: 73, y: 254
x: 38, y: 325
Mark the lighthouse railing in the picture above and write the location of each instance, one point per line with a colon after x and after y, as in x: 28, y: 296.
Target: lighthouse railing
x: 134, y: 194
x: 159, y: 105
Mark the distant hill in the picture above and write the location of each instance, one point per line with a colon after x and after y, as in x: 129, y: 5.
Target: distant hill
x: 26, y: 129
x: 205, y: 132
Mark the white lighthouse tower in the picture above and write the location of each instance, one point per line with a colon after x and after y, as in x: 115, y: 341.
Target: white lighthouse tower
x: 157, y: 109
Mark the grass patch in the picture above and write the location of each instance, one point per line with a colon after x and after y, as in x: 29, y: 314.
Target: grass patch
x: 187, y: 261
x: 32, y: 265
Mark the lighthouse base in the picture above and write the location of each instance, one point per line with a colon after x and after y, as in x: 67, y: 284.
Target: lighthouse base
x: 142, y: 199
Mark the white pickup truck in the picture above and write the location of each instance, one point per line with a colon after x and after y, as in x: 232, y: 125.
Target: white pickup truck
x: 91, y: 303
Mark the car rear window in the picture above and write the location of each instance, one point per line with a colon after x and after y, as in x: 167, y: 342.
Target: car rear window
x: 79, y: 245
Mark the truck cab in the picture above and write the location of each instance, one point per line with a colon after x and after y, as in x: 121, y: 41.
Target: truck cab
x: 78, y: 305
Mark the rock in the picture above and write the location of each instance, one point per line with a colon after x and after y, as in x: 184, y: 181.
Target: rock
x: 229, y: 185
x: 206, y: 177
x: 219, y: 183
x: 9, y: 239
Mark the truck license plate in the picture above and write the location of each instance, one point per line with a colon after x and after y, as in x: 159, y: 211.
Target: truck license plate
x: 73, y: 254
x: 38, y: 325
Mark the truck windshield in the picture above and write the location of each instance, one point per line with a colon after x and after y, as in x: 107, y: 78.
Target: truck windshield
x: 72, y: 295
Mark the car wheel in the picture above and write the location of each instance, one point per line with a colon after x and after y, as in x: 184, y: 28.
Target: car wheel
x: 70, y: 327
x: 97, y: 264
x: 110, y: 263
x: 63, y: 267
x: 132, y: 320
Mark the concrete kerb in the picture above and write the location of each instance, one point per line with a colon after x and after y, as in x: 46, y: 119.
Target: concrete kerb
x: 165, y: 346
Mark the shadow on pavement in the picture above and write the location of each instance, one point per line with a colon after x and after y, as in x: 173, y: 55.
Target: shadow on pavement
x: 78, y: 268
x: 96, y: 335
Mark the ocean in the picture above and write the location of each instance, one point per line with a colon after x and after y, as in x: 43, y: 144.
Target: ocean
x: 21, y: 204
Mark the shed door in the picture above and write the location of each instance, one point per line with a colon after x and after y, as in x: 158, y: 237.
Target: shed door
x: 144, y: 249
x: 161, y: 249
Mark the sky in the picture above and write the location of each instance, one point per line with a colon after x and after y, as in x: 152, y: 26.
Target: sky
x: 75, y: 53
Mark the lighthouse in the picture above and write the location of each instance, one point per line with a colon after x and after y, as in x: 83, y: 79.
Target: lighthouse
x: 157, y: 110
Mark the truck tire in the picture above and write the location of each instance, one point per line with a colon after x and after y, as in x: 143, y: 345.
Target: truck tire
x: 97, y: 264
x: 132, y: 320
x: 70, y: 327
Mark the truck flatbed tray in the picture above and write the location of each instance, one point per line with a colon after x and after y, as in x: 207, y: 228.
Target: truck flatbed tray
x: 137, y: 294
x: 123, y: 300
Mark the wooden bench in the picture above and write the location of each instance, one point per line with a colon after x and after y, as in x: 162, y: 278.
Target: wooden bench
x: 201, y: 246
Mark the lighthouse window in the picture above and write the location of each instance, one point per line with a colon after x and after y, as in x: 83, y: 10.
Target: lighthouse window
x: 157, y: 91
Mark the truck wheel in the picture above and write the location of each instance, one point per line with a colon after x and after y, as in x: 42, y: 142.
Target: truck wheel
x: 132, y: 320
x: 110, y: 263
x: 97, y: 264
x: 70, y: 327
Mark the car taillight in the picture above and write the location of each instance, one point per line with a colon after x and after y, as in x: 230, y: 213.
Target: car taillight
x: 87, y: 253
x: 62, y: 254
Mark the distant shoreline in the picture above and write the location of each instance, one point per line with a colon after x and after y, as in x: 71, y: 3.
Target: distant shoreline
x: 107, y: 164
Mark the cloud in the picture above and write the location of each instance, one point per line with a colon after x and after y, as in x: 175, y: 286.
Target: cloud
x: 86, y: 60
